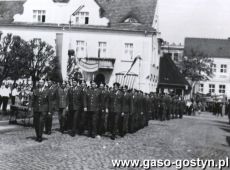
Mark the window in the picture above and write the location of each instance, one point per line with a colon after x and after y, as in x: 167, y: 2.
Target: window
x: 211, y: 88
x: 102, y: 49
x: 80, y: 50
x: 82, y: 18
x: 221, y: 88
x: 131, y: 20
x: 213, y: 68
x: 39, y: 15
x: 129, y: 50
x: 201, y: 88
x: 223, y: 68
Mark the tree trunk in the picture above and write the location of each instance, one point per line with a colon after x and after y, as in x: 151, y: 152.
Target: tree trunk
x: 34, y: 81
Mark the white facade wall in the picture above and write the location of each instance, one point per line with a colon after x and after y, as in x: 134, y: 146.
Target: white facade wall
x: 60, y: 13
x: 219, y: 78
x: 144, y: 44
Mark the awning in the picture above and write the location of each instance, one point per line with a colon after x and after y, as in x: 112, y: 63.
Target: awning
x: 170, y: 76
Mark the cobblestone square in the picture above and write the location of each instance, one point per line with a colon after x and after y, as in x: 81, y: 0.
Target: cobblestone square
x: 204, y: 137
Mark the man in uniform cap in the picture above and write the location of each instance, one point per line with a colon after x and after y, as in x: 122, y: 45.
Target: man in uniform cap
x: 74, y: 100
x: 126, y: 109
x: 83, y: 113
x: 40, y: 105
x: 53, y: 107
x: 91, y: 105
x: 116, y: 109
x: 102, y: 122
x: 61, y: 94
x: 134, y: 112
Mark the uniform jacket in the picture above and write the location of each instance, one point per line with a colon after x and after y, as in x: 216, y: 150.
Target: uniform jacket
x: 40, y: 101
x: 134, y: 105
x: 74, y: 98
x: 92, y: 99
x: 126, y: 103
x: 116, y: 101
x: 61, y: 98
x: 52, y: 96
x: 104, y: 99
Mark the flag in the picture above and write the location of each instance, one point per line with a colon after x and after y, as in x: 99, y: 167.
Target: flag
x: 134, y: 61
x: 79, y: 8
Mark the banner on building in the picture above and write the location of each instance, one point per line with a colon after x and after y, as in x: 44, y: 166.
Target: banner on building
x: 87, y: 67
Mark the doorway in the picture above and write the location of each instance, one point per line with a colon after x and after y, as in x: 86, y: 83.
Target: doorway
x: 100, y: 78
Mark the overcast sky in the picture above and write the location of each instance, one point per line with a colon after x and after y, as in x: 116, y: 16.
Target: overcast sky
x: 194, y: 18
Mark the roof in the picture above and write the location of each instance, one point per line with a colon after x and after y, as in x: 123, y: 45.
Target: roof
x: 115, y: 10
x: 170, y: 76
x: 115, y: 28
x: 218, y: 48
x: 8, y: 9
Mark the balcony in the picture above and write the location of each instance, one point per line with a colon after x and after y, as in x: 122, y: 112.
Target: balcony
x: 103, y: 63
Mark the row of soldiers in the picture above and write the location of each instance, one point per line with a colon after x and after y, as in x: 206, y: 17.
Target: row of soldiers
x: 99, y: 109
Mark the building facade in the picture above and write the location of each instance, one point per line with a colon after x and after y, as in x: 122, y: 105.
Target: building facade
x: 105, y: 36
x: 219, y: 51
x: 175, y: 51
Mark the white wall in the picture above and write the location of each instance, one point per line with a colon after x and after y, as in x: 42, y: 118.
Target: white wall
x: 144, y: 45
x: 219, y: 78
x: 59, y: 13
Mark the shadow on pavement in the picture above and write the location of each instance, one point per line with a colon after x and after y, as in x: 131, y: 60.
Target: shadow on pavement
x: 34, y: 138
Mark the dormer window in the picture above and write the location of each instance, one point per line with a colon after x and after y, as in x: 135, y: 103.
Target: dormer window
x: 82, y: 18
x: 131, y: 20
x: 39, y: 16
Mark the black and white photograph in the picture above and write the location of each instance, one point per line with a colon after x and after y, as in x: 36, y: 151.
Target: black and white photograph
x: 114, y: 84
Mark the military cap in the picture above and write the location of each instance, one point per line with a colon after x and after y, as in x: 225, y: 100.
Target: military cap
x: 116, y: 84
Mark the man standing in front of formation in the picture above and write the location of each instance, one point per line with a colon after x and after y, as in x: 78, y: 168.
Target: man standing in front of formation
x: 40, y: 105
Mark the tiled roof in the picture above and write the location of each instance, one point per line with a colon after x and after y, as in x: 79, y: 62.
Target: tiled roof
x: 8, y: 9
x: 170, y: 76
x: 115, y: 10
x: 219, y: 48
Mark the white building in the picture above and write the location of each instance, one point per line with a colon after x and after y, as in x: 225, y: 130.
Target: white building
x: 175, y: 51
x: 106, y: 35
x: 219, y: 50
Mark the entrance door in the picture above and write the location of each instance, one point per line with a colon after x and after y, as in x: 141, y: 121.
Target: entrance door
x: 100, y: 78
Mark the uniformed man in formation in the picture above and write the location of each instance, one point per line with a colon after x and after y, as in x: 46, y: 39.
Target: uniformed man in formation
x: 99, y: 110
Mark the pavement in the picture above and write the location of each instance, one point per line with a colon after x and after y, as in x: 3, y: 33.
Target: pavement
x: 203, y: 136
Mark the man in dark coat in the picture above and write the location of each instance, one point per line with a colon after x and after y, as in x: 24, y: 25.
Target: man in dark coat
x: 103, y: 107
x: 40, y: 105
x: 116, y: 109
x: 61, y: 94
x: 53, y: 107
x: 74, y: 100
x: 126, y: 109
x: 134, y: 111
x: 92, y: 106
